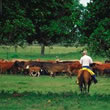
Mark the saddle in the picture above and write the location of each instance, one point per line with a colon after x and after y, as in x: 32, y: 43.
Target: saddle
x: 89, y: 70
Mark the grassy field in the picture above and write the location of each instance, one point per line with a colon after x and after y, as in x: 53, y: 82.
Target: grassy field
x: 33, y: 52
x: 46, y: 93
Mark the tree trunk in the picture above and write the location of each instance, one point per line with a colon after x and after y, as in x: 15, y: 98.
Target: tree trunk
x: 7, y: 54
x: 42, y: 49
x: 0, y: 7
x: 16, y: 48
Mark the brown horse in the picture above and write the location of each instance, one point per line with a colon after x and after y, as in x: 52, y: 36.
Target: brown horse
x: 84, y: 78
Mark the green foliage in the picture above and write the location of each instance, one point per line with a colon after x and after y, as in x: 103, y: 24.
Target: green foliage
x: 48, y: 23
x: 15, y: 27
x: 100, y: 38
x: 95, y: 29
x: 54, y: 20
x: 16, y: 31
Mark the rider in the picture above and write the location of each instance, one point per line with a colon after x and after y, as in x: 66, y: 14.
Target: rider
x: 86, y: 60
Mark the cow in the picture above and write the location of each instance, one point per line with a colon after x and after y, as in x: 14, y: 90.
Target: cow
x: 75, y: 67
x: 98, y: 62
x: 52, y: 69
x: 18, y: 67
x: 40, y: 64
x: 61, y: 67
x: 101, y: 68
x: 34, y: 71
x: 5, y: 66
x: 107, y: 61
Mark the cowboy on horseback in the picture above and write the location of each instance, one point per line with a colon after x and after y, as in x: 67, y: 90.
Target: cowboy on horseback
x: 86, y: 61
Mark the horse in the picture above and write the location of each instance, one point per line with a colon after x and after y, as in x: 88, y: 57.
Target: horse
x: 84, y: 80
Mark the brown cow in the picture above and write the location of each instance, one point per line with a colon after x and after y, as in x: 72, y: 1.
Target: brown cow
x: 101, y: 68
x: 57, y: 68
x: 18, y: 67
x: 98, y: 62
x: 75, y: 67
x: 5, y: 66
x: 107, y: 61
x: 34, y: 71
x: 40, y: 64
x: 61, y: 67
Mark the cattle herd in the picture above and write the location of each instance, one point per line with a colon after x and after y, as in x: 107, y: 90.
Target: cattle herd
x: 49, y: 67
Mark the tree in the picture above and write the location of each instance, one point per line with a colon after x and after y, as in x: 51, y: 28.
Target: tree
x: 15, y: 27
x: 101, y: 38
x: 95, y: 31
x: 55, y: 20
x: 0, y: 7
x: 48, y: 23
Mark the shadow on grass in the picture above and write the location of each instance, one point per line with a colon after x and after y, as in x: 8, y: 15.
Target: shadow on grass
x: 51, y: 95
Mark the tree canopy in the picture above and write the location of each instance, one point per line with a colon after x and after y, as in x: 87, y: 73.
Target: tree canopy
x: 56, y: 21
x: 15, y: 26
x: 96, y: 27
x: 47, y: 23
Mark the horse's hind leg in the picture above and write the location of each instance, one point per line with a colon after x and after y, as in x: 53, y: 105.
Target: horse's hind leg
x: 89, y: 86
x: 81, y: 87
x: 85, y: 87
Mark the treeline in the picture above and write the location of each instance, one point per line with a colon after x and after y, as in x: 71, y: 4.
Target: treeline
x: 49, y: 22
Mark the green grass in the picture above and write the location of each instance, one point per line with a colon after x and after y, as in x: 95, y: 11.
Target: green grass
x: 46, y: 93
x: 33, y: 52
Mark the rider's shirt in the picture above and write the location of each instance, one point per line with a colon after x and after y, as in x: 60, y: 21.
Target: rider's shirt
x: 86, y: 60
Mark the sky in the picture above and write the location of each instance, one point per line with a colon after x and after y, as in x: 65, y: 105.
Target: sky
x: 84, y: 2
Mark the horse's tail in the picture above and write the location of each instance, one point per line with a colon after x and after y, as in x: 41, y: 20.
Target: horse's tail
x: 81, y: 78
